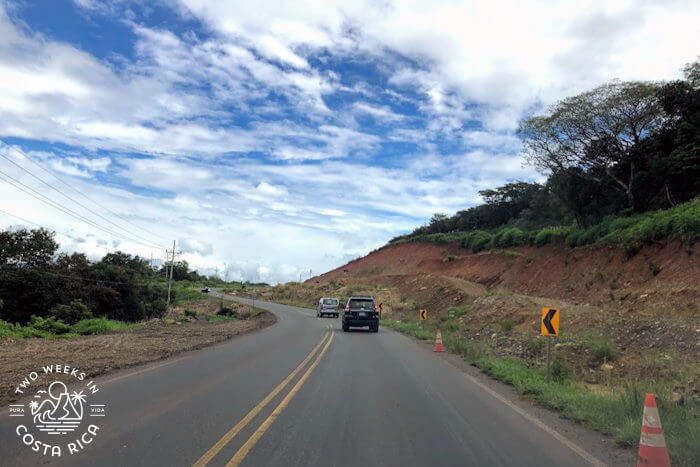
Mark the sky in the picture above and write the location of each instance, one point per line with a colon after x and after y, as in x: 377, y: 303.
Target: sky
x: 272, y: 140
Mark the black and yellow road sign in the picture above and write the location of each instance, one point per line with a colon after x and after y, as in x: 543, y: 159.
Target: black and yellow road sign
x: 550, y: 321
x: 423, y: 315
x: 381, y: 306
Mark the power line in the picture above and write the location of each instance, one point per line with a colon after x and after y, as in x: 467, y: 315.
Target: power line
x: 75, y: 201
x: 21, y: 218
x: 17, y: 184
x: 56, y: 274
x: 25, y: 156
x: 43, y: 226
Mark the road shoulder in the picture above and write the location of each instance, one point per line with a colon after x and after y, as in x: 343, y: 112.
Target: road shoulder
x: 600, y: 445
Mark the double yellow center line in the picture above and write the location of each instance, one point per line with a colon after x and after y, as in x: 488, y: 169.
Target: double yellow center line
x: 255, y: 437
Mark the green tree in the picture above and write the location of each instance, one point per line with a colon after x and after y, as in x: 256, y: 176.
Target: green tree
x: 35, y: 247
x: 598, y: 131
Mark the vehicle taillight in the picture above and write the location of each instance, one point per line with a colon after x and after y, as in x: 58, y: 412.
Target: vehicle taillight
x: 347, y: 307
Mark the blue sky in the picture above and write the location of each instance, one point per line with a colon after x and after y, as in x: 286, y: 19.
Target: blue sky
x: 277, y: 137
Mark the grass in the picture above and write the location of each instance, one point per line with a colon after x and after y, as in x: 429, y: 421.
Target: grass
x: 456, y: 312
x: 48, y: 328
x: 617, y: 413
x: 632, y: 232
x: 186, y: 291
x: 96, y: 326
x: 412, y: 329
x: 216, y: 318
x: 510, y: 254
x: 506, y: 325
x: 604, y: 349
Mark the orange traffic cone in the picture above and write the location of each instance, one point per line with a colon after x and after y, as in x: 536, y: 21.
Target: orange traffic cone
x: 438, y: 342
x: 652, y: 446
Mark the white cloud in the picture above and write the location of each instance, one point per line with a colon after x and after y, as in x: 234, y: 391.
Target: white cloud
x: 509, y: 56
x: 271, y: 197
x: 380, y: 112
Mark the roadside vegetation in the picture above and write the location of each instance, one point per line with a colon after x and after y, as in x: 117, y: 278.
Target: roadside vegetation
x: 49, y: 328
x: 631, y: 232
x: 623, y: 165
x: 616, y: 411
x: 50, y: 295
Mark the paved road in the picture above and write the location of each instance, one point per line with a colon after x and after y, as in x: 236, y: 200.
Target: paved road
x: 360, y: 399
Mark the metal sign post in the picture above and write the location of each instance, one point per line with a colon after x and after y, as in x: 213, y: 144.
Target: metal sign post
x: 549, y: 354
x: 550, y: 328
x: 422, y: 316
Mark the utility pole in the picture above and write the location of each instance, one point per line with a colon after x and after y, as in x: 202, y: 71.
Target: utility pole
x: 170, y: 280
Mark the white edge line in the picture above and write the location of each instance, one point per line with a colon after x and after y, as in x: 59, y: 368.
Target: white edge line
x: 535, y: 421
x: 590, y: 458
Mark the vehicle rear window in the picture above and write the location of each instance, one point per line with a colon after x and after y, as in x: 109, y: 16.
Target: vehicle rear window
x: 330, y: 301
x: 361, y: 305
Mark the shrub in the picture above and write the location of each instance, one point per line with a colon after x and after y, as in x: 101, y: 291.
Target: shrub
x: 534, y: 345
x: 551, y: 235
x: 631, y: 248
x: 6, y: 329
x: 50, y: 325
x: 96, y: 326
x: 506, y: 324
x: 576, y: 238
x: 508, y: 237
x: 477, y: 240
x: 559, y: 371
x: 604, y: 349
x: 682, y: 221
x: 190, y: 313
x: 15, y: 331
x: 456, y: 312
x: 226, y: 311
x: 75, y: 311
x: 654, y: 268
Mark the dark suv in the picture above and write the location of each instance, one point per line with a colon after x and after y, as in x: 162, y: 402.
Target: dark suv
x: 360, y: 312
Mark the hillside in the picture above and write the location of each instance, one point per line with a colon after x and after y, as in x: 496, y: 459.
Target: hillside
x: 647, y: 303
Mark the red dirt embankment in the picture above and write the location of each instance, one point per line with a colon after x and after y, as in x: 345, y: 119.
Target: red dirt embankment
x: 663, y: 278
x: 646, y: 301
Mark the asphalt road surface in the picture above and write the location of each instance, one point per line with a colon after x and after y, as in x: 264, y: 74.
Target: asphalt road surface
x: 304, y: 393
